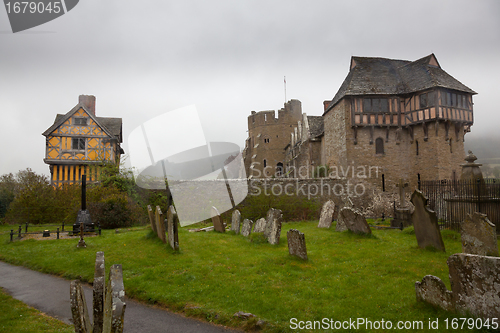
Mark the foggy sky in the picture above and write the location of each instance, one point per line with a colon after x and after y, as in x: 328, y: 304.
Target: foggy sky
x: 142, y: 59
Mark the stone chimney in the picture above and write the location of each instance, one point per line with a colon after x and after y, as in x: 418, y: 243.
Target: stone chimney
x: 88, y: 101
x: 325, y: 104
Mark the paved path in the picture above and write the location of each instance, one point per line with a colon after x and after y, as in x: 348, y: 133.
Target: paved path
x: 50, y: 294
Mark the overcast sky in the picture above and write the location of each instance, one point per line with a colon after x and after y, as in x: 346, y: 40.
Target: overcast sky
x: 144, y: 58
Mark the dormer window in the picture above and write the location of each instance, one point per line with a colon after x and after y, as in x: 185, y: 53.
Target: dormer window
x: 79, y: 121
x: 78, y: 143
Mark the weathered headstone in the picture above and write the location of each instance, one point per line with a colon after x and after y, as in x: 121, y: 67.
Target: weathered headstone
x: 475, y: 286
x: 246, y: 227
x: 108, y: 304
x: 160, y: 224
x: 98, y: 292
x: 172, y: 228
x: 479, y: 235
x: 260, y: 225
x: 425, y: 223
x: 354, y: 221
x: 273, y: 226
x: 326, y: 217
x: 235, y: 221
x: 217, y: 221
x: 402, y: 185
x: 340, y: 226
x: 151, y: 215
x: 296, y: 243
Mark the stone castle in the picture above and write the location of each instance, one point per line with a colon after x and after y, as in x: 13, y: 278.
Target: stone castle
x: 390, y: 119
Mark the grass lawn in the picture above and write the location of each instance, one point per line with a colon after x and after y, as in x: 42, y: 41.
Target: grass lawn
x: 15, y: 316
x: 215, y: 275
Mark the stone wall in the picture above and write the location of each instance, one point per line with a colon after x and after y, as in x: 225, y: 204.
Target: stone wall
x: 343, y: 148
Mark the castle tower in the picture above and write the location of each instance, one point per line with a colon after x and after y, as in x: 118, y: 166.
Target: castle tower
x: 268, y: 136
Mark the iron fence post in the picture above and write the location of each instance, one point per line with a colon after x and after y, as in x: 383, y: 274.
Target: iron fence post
x: 20, y: 228
x: 26, y: 229
x: 57, y: 233
x: 11, y: 234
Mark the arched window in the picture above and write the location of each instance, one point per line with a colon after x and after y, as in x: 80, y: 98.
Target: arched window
x: 379, y: 146
x: 279, y: 169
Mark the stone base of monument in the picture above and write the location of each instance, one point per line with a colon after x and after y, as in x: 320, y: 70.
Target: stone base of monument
x: 83, y: 216
x: 401, y: 215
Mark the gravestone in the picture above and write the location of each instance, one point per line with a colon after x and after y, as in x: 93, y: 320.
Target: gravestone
x: 479, y: 235
x: 172, y: 228
x: 326, y: 217
x: 340, y: 226
x: 402, y: 213
x: 246, y: 227
x: 354, y: 221
x: 475, y: 286
x: 108, y: 303
x: 160, y: 224
x: 273, y: 226
x: 425, y: 223
x: 235, y: 221
x: 260, y: 225
x: 217, y: 221
x: 296, y: 243
x: 151, y: 215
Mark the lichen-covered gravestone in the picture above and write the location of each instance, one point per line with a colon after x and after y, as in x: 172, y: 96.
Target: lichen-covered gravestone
x: 296, y: 243
x: 160, y: 224
x: 172, y: 228
x: 246, y: 227
x: 340, y: 226
x: 260, y: 225
x: 354, y: 221
x: 475, y: 286
x: 326, y: 217
x: 217, y: 221
x: 235, y: 221
x: 151, y: 215
x: 425, y: 223
x: 273, y: 226
x: 479, y: 235
x: 108, y: 304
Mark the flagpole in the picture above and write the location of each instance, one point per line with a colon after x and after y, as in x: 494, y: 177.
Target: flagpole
x: 284, y: 82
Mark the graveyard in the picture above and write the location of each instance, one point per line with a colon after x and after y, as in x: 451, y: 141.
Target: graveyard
x: 216, y: 275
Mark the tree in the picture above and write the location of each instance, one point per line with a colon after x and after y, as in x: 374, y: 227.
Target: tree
x: 7, y: 190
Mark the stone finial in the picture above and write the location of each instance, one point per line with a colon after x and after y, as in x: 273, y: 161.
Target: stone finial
x: 471, y: 170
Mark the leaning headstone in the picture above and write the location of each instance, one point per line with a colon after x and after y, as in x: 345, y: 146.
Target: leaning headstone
x: 114, y: 311
x: 326, y: 217
x: 340, y: 226
x: 160, y: 224
x: 479, y: 235
x: 98, y: 292
x: 246, y: 227
x: 354, y: 221
x: 296, y: 243
x: 273, y: 226
x: 108, y: 304
x: 425, y: 223
x: 235, y: 221
x: 172, y: 228
x: 475, y: 286
x: 260, y: 225
x: 217, y: 221
x: 151, y: 215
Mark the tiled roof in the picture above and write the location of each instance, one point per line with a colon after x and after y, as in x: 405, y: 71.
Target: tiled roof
x: 382, y: 76
x: 315, y: 126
